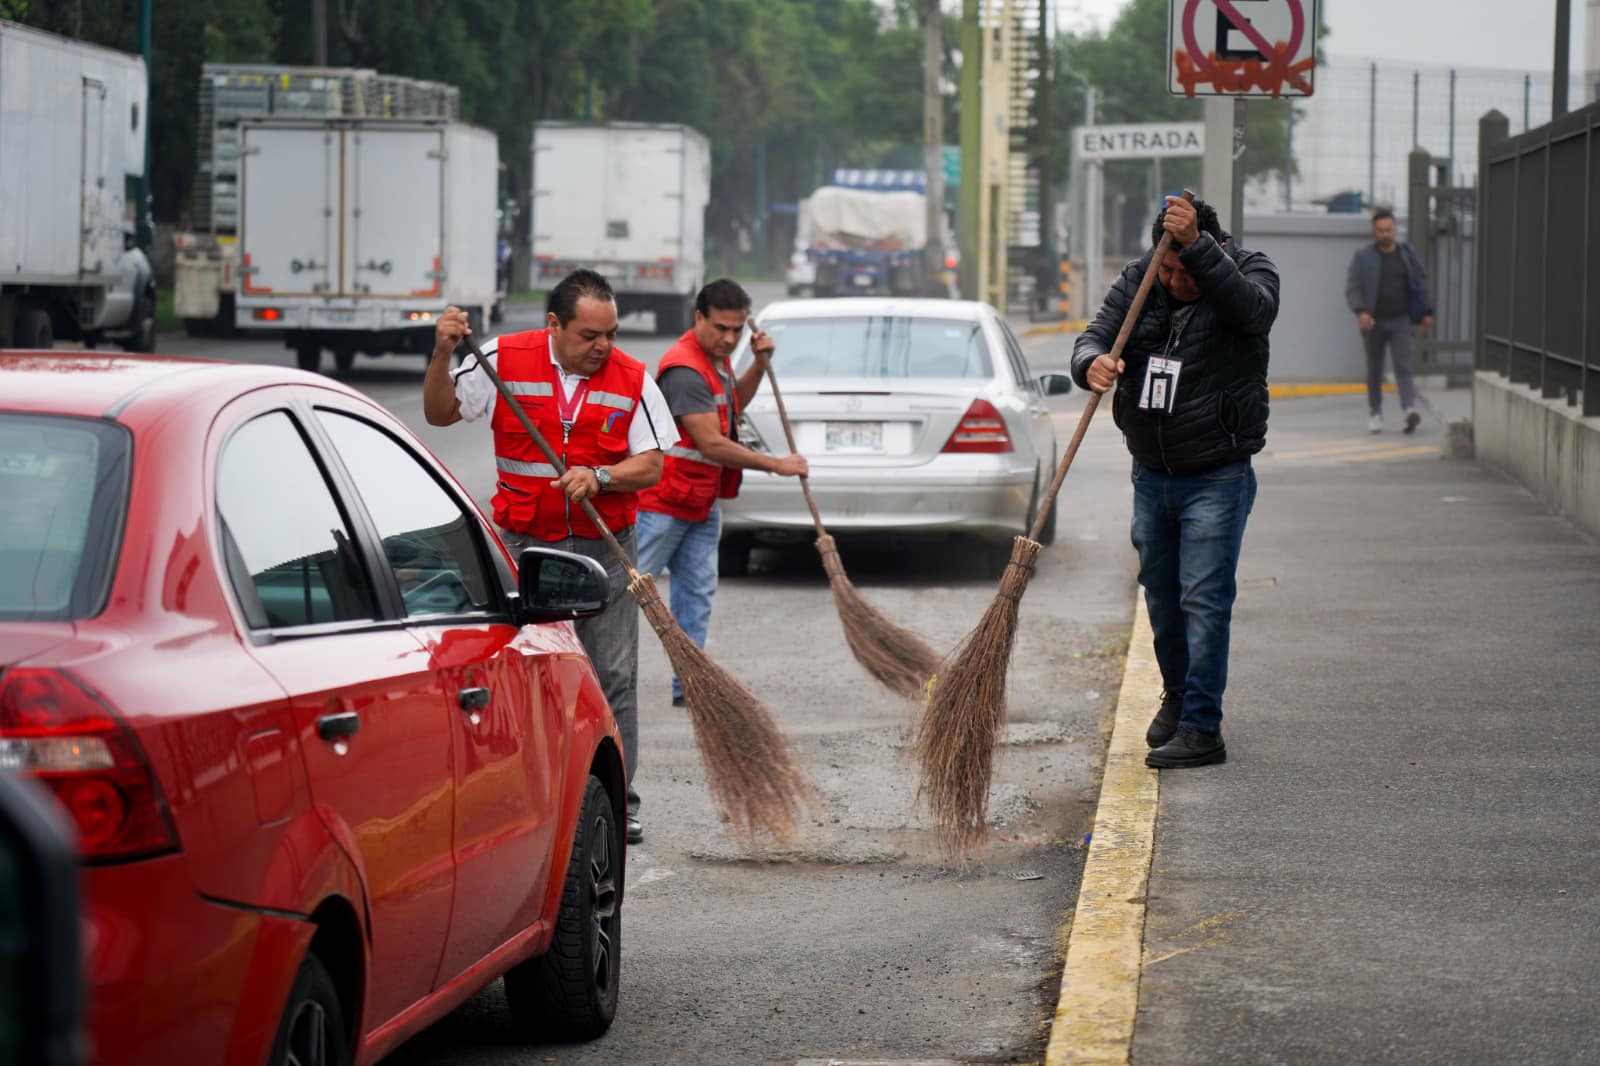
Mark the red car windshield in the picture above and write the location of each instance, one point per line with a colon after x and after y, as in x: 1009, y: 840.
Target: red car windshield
x: 63, y: 495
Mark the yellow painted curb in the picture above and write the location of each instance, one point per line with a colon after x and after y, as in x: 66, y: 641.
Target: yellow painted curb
x: 1300, y: 390
x: 1066, y: 325
x: 1100, y: 982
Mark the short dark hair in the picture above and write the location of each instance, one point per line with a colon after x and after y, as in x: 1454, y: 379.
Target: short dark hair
x: 724, y: 294
x: 1380, y: 214
x: 563, y: 302
x: 1205, y: 218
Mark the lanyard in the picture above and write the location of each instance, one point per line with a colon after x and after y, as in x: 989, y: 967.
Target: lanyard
x: 568, y: 409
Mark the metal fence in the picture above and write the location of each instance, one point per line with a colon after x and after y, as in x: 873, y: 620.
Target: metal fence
x: 1354, y: 134
x: 1441, y: 224
x: 1538, y: 263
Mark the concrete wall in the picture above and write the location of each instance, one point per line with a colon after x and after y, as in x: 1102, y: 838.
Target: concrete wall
x: 1545, y: 444
x: 1315, y: 338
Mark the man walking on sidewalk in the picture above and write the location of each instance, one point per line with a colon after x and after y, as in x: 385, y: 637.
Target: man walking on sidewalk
x: 680, y: 520
x: 1191, y: 401
x: 597, y: 407
x: 1388, y: 291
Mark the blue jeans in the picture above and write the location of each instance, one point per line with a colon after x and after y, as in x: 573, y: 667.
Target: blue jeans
x: 689, y: 551
x: 1188, y: 529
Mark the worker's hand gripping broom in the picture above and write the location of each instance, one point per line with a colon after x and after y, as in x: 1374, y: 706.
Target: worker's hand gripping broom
x: 966, y: 709
x: 751, y: 773
x: 897, y: 657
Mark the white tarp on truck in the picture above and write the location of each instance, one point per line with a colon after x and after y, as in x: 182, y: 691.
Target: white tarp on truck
x: 862, y: 217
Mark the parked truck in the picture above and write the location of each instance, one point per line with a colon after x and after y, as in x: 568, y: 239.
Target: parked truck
x: 72, y: 133
x: 230, y: 93
x: 628, y: 200
x: 866, y: 241
x: 355, y: 234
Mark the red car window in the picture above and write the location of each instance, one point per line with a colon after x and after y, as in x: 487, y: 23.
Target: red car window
x: 291, y: 553
x: 430, y: 541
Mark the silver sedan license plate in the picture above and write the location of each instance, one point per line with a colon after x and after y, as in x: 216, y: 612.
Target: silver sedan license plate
x: 854, y: 436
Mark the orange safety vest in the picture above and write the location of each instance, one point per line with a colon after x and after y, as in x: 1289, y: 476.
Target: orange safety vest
x: 527, y: 499
x: 690, y: 483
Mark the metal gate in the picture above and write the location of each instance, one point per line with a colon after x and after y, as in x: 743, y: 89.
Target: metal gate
x: 1441, y: 223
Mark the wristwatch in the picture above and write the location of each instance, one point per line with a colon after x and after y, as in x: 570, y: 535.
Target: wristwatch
x: 603, y: 476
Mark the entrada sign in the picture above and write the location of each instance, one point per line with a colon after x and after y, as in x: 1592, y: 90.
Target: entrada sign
x: 1146, y: 140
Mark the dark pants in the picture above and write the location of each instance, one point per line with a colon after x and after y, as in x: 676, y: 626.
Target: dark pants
x: 1397, y: 333
x: 611, y: 637
x: 1188, y: 530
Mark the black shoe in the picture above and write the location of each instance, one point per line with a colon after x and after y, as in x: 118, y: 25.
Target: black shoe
x: 1412, y: 418
x: 677, y: 701
x: 1190, y: 747
x: 635, y: 829
x: 1165, y: 723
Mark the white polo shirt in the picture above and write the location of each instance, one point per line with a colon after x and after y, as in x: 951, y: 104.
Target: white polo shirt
x: 476, y: 395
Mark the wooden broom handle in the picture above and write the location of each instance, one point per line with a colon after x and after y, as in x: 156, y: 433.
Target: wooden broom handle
x: 550, y: 454
x: 1128, y: 321
x: 788, y: 434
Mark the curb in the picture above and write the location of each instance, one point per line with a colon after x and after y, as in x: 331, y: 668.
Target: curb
x: 1099, y: 998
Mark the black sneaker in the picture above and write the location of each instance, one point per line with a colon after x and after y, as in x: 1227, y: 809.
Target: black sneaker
x: 1165, y: 723
x: 1412, y: 418
x: 635, y: 829
x: 1190, y: 747
x: 677, y: 701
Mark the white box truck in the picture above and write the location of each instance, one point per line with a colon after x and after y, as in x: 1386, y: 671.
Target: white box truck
x: 355, y: 235
x: 229, y: 93
x: 72, y: 118
x: 627, y: 199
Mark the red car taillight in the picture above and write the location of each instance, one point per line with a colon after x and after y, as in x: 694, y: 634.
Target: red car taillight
x: 981, y: 430
x: 52, y: 728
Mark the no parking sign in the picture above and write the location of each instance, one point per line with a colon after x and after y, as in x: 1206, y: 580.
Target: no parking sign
x: 1242, y: 47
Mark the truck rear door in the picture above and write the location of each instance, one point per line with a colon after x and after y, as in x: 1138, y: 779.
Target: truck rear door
x: 644, y: 193
x: 289, y: 204
x: 396, y: 218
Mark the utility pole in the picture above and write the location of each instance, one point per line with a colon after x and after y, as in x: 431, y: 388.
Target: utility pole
x: 1563, y: 75
x: 1043, y: 141
x: 319, y: 33
x: 967, y: 224
x: 933, y: 137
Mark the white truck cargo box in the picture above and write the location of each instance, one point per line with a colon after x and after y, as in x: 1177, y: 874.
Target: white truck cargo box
x: 71, y: 134
x: 626, y: 199
x: 354, y: 235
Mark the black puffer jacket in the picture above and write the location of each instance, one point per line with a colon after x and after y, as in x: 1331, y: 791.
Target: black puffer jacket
x: 1221, y: 412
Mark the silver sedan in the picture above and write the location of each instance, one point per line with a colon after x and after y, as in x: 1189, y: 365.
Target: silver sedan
x: 917, y: 416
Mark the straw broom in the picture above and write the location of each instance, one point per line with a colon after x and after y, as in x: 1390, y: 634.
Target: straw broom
x: 896, y: 657
x: 754, y: 781
x: 966, y: 711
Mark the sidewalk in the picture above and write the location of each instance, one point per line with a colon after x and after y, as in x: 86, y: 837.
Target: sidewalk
x: 1397, y: 864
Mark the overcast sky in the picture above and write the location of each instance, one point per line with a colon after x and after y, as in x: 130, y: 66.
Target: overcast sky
x: 1514, y: 35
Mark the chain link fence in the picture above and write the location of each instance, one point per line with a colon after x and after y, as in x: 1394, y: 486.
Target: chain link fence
x: 1350, y: 141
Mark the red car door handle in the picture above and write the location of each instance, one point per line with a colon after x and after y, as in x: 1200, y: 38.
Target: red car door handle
x: 338, y: 725
x: 472, y: 699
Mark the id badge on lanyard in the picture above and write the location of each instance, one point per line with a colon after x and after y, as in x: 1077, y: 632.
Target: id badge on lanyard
x: 1159, y: 393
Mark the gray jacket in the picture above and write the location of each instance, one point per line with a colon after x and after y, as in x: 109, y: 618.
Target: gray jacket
x: 1361, y: 286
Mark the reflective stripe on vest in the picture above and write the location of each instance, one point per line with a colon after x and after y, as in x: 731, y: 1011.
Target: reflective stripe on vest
x: 611, y: 399
x: 530, y: 388
x: 678, y: 451
x: 516, y: 466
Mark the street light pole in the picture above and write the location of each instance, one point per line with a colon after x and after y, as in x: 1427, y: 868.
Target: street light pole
x: 933, y: 137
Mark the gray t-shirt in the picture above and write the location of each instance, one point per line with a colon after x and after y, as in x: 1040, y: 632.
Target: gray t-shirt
x: 688, y: 394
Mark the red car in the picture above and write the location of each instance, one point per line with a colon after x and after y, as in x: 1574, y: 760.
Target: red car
x: 334, y: 763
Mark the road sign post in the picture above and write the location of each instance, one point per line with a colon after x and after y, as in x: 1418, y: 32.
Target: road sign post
x: 1239, y: 49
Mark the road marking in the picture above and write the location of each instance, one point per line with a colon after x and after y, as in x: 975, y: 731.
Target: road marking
x: 1355, y: 452
x: 1105, y: 943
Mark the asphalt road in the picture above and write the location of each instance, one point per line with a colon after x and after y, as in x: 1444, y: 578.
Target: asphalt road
x: 861, y: 943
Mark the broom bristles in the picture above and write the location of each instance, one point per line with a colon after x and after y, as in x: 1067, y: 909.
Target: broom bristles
x: 754, y: 781
x: 895, y: 657
x: 966, y: 715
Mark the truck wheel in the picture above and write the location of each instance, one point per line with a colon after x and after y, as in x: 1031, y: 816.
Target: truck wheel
x: 570, y: 992
x: 344, y: 359
x: 308, y: 355
x: 33, y: 329
x: 312, y: 1027
x: 143, y: 337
